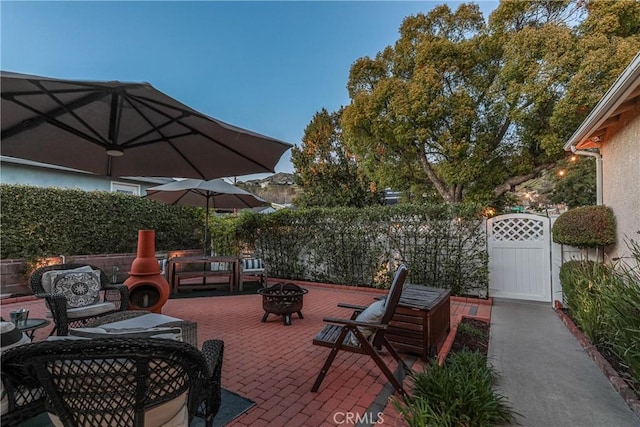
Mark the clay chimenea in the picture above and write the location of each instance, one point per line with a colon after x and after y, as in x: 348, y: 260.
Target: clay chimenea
x: 148, y: 290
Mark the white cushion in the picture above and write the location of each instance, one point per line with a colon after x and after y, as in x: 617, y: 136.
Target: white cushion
x: 49, y: 276
x: 170, y: 414
x: 90, y: 310
x: 252, y: 264
x: 79, y: 288
x: 150, y: 320
x: 101, y: 332
x: 372, y: 314
x: 220, y: 266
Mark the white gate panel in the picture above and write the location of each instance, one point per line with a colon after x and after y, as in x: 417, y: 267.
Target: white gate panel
x: 519, y: 247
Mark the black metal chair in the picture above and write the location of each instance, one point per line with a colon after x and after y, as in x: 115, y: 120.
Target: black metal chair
x: 114, y: 297
x: 121, y: 381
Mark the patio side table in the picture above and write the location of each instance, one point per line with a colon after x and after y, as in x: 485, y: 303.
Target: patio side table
x: 31, y: 325
x: 422, y: 320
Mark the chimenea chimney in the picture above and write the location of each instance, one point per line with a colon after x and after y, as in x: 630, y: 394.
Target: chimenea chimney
x: 148, y: 289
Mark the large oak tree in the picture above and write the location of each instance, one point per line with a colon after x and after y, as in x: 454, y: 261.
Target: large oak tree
x: 469, y: 109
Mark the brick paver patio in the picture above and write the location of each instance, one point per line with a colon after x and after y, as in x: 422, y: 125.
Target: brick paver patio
x: 276, y: 365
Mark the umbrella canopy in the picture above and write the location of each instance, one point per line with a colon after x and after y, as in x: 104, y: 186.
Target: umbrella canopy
x: 124, y: 129
x: 214, y: 193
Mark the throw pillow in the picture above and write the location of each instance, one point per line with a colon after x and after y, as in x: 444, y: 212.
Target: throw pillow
x: 48, y: 277
x: 80, y: 289
x: 372, y: 314
x: 252, y: 264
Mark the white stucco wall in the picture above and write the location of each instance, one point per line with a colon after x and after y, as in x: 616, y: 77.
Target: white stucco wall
x: 17, y: 173
x: 621, y: 183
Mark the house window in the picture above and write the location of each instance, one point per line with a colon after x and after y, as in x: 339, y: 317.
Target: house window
x: 121, y: 187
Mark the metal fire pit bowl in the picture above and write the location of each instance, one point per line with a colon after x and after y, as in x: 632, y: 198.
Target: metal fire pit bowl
x: 282, y: 299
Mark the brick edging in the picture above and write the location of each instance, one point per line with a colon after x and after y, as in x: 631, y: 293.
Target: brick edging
x: 623, y: 389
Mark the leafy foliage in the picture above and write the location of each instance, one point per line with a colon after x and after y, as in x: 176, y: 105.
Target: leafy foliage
x: 605, y: 303
x: 578, y: 185
x: 466, y: 109
x: 585, y: 227
x: 458, y: 393
x: 445, y: 247
x: 326, y: 171
x: 41, y: 222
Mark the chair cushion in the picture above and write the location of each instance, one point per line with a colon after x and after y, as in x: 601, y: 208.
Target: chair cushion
x: 88, y: 311
x: 220, y: 266
x: 48, y: 277
x: 166, y: 333
x: 79, y: 288
x: 252, y: 264
x: 372, y: 314
x: 169, y: 414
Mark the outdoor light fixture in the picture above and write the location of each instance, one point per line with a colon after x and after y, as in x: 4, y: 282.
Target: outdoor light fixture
x: 114, y: 151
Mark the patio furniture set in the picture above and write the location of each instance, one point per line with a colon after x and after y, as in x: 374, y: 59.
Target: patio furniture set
x: 106, y: 365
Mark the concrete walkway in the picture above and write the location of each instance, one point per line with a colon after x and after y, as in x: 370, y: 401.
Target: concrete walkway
x: 545, y: 374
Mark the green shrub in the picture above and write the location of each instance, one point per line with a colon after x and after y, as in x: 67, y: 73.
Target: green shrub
x: 622, y: 306
x: 585, y: 227
x: 40, y: 222
x: 458, y: 393
x: 604, y: 301
x: 583, y: 285
x: 443, y: 245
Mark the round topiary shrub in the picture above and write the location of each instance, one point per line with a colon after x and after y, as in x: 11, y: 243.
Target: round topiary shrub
x: 585, y: 227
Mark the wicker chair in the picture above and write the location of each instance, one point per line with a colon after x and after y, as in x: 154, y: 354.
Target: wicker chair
x: 23, y: 393
x: 122, y: 381
x: 114, y: 298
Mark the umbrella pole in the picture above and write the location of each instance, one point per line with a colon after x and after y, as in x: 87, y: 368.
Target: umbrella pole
x: 206, y: 227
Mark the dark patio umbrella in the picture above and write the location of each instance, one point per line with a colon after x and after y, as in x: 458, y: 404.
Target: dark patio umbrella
x: 124, y: 129
x: 214, y: 193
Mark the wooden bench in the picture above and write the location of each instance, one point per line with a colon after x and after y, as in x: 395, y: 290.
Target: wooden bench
x: 186, y: 280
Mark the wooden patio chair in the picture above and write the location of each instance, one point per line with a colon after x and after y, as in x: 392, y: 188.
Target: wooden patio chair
x: 351, y: 335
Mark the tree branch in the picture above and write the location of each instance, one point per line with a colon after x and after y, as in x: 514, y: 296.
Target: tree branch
x: 517, y: 180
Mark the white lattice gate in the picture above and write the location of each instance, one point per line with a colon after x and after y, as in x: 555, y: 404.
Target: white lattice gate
x: 519, y: 248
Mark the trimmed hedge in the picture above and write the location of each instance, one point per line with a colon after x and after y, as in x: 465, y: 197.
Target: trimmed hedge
x: 40, y: 222
x: 586, y: 227
x: 443, y: 246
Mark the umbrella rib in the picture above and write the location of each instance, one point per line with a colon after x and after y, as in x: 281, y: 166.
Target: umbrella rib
x: 220, y: 143
x: 50, y: 117
x: 157, y: 129
x: 153, y: 129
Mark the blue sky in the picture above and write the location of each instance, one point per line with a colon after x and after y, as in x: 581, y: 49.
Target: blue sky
x: 264, y: 66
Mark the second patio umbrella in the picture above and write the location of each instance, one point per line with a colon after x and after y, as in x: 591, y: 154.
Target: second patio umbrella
x: 215, y: 193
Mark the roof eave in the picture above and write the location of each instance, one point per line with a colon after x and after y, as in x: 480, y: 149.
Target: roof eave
x: 624, y: 85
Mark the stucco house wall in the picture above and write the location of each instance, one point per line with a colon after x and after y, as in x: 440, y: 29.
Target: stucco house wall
x: 612, y: 131
x: 621, y: 183
x: 18, y: 171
